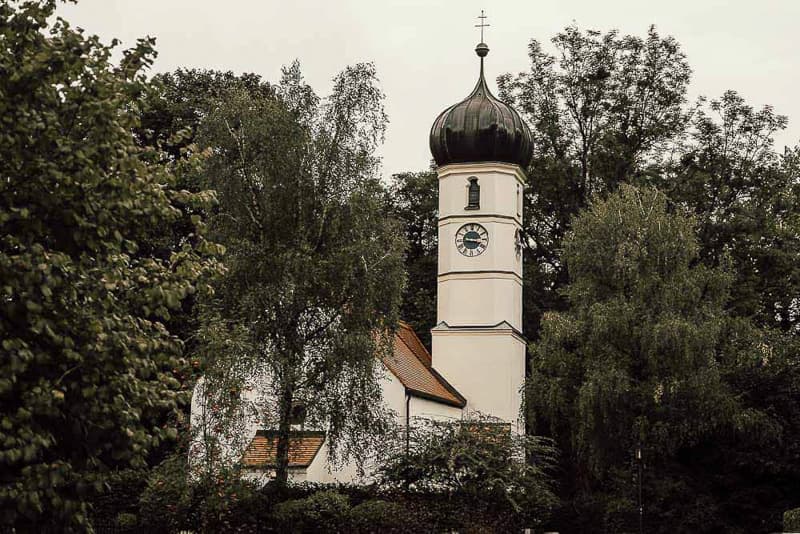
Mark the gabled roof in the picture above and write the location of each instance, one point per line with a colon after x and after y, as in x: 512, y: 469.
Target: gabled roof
x: 410, y: 362
x: 262, y: 451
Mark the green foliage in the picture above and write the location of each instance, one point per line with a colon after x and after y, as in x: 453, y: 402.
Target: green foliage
x: 91, y: 376
x: 324, y: 510
x: 314, y: 263
x: 477, y: 461
x: 601, y: 108
x: 648, y: 357
x: 376, y: 515
x: 127, y: 521
x: 636, y: 354
x: 178, y: 102
x: 120, y: 496
x: 226, y: 503
x: 165, y: 503
x: 414, y: 202
x: 173, y: 500
x: 747, y: 202
x: 791, y: 520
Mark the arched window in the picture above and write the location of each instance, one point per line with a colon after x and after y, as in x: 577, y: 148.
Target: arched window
x: 473, y: 195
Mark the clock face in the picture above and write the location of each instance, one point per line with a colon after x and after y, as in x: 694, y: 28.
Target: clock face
x: 472, y: 239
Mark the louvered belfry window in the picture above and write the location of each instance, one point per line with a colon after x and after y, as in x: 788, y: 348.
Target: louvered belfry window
x: 473, y: 194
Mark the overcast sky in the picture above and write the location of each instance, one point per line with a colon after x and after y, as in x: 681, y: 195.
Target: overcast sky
x: 423, y: 50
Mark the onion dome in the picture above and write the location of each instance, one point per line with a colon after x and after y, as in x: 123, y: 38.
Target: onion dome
x: 480, y: 128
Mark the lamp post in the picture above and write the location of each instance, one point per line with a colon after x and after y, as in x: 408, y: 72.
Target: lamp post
x: 639, y: 483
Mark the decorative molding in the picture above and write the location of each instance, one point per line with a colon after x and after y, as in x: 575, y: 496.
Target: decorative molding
x: 509, y: 275
x: 503, y: 327
x: 483, y: 167
x: 501, y: 218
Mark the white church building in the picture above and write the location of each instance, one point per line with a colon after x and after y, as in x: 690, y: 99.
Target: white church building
x: 480, y: 146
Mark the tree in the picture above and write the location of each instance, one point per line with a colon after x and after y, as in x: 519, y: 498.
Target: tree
x: 746, y: 197
x: 414, y: 201
x: 89, y: 371
x: 172, y: 111
x: 496, y: 475
x: 180, y: 101
x: 646, y: 358
x: 601, y: 109
x: 314, y: 263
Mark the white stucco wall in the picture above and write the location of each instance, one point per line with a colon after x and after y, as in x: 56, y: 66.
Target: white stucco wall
x: 394, y: 394
x: 497, y: 298
x: 487, y: 366
x: 232, y: 437
x: 320, y: 470
x: 499, y: 185
x: 432, y: 410
x: 483, y: 361
x: 261, y: 477
x: 394, y: 399
x: 500, y: 254
x: 484, y: 289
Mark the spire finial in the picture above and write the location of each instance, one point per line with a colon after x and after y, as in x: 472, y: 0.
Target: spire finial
x: 483, y: 24
x: 482, y: 49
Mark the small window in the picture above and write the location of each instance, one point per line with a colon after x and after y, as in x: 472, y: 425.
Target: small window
x: 473, y: 195
x: 519, y: 200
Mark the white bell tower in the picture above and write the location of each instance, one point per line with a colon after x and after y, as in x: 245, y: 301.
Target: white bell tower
x: 481, y: 146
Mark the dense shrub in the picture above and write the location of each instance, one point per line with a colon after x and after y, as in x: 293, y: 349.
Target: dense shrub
x: 165, y: 500
x: 165, y: 503
x: 472, y: 473
x: 226, y: 503
x: 223, y: 502
x: 377, y: 515
x: 121, y: 496
x: 328, y: 510
x: 791, y: 520
x: 126, y: 520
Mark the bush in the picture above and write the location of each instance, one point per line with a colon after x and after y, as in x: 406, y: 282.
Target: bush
x: 791, y: 520
x: 326, y: 511
x: 121, y: 496
x: 126, y: 520
x: 165, y: 502
x: 479, y: 472
x: 376, y: 515
x: 223, y: 502
x: 226, y: 503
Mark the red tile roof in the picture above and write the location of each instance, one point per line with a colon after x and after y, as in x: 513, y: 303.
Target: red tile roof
x: 411, y: 364
x: 303, y: 448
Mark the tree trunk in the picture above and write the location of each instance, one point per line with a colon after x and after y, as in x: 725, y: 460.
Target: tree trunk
x: 284, y: 428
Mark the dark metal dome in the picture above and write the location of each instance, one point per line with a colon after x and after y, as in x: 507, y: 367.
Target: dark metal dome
x: 480, y: 128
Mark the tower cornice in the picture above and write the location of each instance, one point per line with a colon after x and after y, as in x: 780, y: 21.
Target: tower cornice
x: 482, y: 167
x: 500, y: 329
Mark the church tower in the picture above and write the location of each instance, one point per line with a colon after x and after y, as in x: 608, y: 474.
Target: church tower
x: 481, y: 147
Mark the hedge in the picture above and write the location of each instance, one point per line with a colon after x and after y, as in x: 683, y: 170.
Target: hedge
x: 791, y: 520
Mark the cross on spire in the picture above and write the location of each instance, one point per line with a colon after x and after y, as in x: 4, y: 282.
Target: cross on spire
x: 483, y: 24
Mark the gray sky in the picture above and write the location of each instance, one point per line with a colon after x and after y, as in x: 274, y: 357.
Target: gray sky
x: 423, y: 50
